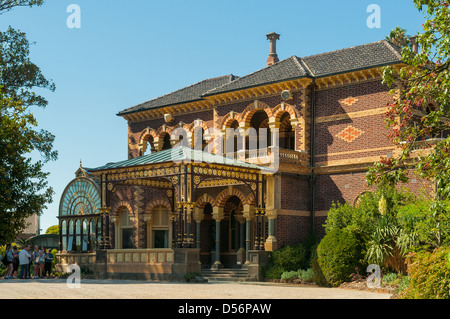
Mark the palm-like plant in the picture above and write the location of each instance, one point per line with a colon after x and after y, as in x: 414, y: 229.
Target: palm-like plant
x: 22, y: 242
x: 398, y: 36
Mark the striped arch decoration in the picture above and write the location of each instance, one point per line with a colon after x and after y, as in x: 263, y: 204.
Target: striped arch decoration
x: 203, y: 200
x: 163, y: 129
x: 157, y: 202
x: 280, y: 109
x: 191, y: 127
x: 117, y: 206
x: 222, y: 198
x: 250, y: 199
x: 252, y: 109
x: 146, y: 134
x: 228, y: 119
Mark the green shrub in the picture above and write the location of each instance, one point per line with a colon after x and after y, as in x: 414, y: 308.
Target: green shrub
x: 289, y: 275
x: 273, y: 271
x: 389, y: 278
x: 286, y: 259
x: 290, y: 258
x: 339, y: 253
x: 429, y: 275
x: 305, y: 275
x: 318, y: 277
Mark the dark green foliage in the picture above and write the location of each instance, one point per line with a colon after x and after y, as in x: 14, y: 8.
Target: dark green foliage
x: 319, y: 279
x: 24, y: 189
x: 288, y: 258
x: 339, y: 253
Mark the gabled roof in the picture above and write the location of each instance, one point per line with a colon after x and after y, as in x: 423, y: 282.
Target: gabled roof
x: 178, y: 154
x: 352, y: 59
x: 188, y: 94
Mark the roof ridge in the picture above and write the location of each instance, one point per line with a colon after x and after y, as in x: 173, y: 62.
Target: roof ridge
x: 248, y: 75
x: 344, y: 49
x: 390, y: 46
x: 230, y: 76
x: 302, y: 64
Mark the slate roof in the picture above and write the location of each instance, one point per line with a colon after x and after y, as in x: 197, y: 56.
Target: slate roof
x: 188, y: 94
x: 290, y: 68
x: 360, y: 57
x: 365, y: 56
x: 177, y: 154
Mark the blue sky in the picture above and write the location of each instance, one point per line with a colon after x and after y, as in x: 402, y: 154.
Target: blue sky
x: 128, y: 52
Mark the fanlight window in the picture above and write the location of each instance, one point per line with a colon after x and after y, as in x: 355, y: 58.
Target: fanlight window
x: 79, y: 214
x: 81, y: 197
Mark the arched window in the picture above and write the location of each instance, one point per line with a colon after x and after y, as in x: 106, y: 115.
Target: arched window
x: 287, y: 133
x: 166, y: 142
x: 259, y: 122
x: 149, y: 146
x: 160, y: 227
x: 199, y: 139
x: 127, y: 229
x: 232, y: 137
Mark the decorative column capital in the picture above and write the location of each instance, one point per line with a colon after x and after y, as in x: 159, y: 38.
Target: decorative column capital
x: 198, y: 214
x: 217, y: 214
x: 272, y: 213
x: 248, y: 212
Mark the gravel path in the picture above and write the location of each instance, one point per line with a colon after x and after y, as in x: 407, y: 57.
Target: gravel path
x: 125, y: 289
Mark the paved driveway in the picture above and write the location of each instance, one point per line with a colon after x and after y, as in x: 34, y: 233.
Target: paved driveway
x: 125, y: 289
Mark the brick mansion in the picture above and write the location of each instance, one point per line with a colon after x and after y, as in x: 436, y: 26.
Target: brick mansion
x: 170, y: 208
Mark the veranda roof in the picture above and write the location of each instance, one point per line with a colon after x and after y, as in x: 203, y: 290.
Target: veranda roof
x: 179, y: 154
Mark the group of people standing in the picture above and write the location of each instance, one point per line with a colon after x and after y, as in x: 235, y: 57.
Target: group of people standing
x: 41, y: 259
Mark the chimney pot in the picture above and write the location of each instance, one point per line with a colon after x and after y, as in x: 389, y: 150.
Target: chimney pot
x: 273, y: 57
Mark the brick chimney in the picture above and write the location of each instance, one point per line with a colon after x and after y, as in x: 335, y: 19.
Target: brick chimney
x: 273, y: 57
x: 415, y: 45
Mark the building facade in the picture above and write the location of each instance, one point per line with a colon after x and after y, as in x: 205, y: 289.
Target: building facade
x: 224, y: 170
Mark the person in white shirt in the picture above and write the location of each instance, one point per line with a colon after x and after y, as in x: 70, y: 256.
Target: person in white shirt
x: 24, y: 260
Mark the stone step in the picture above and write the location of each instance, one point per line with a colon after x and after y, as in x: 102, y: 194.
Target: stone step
x: 225, y: 274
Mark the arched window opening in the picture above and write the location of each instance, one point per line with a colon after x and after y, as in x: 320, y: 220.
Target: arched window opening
x: 259, y: 122
x: 149, y: 146
x: 166, y: 142
x: 286, y: 133
x: 232, y: 137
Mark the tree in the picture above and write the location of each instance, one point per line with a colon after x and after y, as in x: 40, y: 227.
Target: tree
x: 53, y: 230
x: 6, y: 5
x: 419, y: 118
x: 24, y: 190
x: 398, y: 36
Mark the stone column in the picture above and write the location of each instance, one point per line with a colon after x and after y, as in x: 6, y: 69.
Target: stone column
x: 217, y: 216
x: 148, y: 221
x: 271, y: 242
x: 243, y: 133
x: 241, y: 251
x: 248, y: 213
x: 198, y: 217
x: 106, y: 238
x: 116, y: 221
